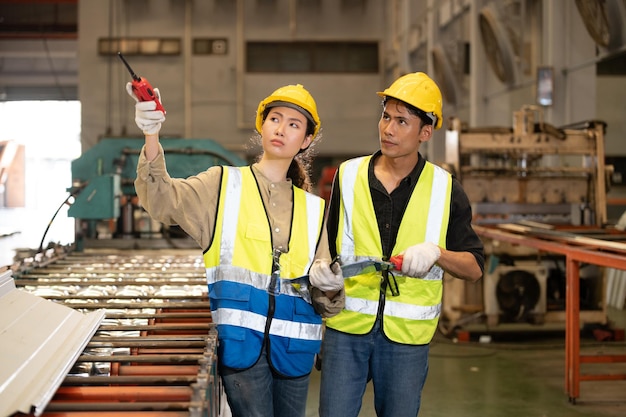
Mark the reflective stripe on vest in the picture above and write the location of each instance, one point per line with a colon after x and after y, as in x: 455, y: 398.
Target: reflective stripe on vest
x: 233, y: 317
x: 411, y: 317
x: 238, y: 268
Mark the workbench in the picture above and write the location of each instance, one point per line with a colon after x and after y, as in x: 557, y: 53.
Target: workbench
x: 604, y: 248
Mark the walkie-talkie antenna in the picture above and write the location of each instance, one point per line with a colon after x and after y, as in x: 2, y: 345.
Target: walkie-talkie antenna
x: 132, y: 73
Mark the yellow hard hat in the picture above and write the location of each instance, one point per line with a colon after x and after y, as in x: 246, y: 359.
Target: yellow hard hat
x: 294, y: 96
x: 421, y: 92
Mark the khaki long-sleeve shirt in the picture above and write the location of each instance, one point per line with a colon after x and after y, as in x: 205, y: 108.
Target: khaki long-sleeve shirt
x: 191, y: 203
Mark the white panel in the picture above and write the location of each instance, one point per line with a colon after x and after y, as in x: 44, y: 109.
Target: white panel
x: 39, y: 342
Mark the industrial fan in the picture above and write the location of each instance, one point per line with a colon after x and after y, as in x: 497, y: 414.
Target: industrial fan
x: 604, y: 20
x: 499, y: 49
x: 516, y: 293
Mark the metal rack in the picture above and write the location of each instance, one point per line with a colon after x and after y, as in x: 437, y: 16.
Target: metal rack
x: 530, y: 174
x: 155, y: 351
x: 533, y: 171
x: 577, y: 250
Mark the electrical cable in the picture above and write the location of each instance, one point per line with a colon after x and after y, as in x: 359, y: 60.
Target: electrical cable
x: 52, y: 219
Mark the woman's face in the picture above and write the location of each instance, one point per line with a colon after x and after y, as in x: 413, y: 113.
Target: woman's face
x: 284, y: 133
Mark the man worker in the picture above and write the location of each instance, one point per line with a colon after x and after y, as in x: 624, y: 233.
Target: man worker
x: 391, y: 203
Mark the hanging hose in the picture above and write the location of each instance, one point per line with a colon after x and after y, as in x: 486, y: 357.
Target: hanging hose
x: 52, y: 219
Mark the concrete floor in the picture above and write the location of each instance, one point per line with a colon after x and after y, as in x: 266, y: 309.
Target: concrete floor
x: 514, y: 376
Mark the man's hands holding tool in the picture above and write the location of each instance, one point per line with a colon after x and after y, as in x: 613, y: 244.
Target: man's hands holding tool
x: 148, y: 119
x: 418, y: 259
x: 325, y: 277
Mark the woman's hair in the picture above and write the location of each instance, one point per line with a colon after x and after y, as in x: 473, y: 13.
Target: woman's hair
x: 299, y: 171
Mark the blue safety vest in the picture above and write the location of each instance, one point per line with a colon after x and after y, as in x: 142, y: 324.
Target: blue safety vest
x: 239, y: 263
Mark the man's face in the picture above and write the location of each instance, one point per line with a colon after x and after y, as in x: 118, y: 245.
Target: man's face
x: 400, y: 132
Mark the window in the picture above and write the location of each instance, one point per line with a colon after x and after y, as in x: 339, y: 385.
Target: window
x: 313, y: 57
x: 47, y: 172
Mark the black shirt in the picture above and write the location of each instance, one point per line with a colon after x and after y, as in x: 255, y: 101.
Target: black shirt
x: 390, y: 208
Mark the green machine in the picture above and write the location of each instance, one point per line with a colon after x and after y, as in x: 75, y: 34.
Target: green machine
x: 105, y: 203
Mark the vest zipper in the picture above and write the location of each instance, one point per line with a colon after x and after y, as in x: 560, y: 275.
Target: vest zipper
x: 273, y: 289
x: 382, y: 298
x: 270, y: 315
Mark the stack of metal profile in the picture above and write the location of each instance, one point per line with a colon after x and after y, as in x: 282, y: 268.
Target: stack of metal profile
x: 154, y: 351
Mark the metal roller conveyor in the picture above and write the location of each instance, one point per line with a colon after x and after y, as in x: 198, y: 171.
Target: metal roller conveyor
x: 125, y: 380
x: 46, y: 281
x: 154, y: 352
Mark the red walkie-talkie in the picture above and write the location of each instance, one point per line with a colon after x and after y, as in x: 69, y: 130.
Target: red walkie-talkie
x: 141, y: 87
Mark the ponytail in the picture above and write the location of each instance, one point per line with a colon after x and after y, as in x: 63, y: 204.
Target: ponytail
x: 298, y: 172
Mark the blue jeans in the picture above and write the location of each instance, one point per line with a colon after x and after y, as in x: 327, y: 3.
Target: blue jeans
x: 349, y: 362
x: 259, y: 392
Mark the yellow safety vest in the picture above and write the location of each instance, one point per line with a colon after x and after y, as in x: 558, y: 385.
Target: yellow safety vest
x: 239, y: 264
x: 411, y: 317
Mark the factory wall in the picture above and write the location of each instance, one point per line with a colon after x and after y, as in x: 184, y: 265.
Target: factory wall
x: 610, y: 106
x: 212, y: 96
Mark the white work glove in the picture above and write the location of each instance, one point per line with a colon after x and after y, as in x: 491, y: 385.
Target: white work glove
x: 148, y: 119
x: 323, y: 277
x: 418, y: 259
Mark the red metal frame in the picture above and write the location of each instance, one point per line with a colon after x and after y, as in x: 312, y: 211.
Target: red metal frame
x: 590, y: 251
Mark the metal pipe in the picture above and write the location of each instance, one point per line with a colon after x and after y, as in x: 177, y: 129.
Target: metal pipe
x: 138, y: 305
x: 130, y: 379
x: 39, y: 280
x: 145, y: 339
x: 125, y: 407
x: 116, y: 414
x: 156, y: 327
x: 170, y: 351
x: 147, y: 344
x: 115, y: 269
x: 140, y: 358
x: 160, y: 370
x: 177, y: 315
x: 117, y: 394
x: 125, y: 297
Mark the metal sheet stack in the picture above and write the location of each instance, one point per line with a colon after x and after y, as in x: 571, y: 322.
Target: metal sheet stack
x: 155, y: 352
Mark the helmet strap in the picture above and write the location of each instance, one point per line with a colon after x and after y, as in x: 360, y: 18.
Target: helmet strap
x: 428, y: 118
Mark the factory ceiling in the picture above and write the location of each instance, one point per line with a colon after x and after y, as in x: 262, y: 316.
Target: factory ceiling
x: 28, y: 19
x: 39, y: 51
